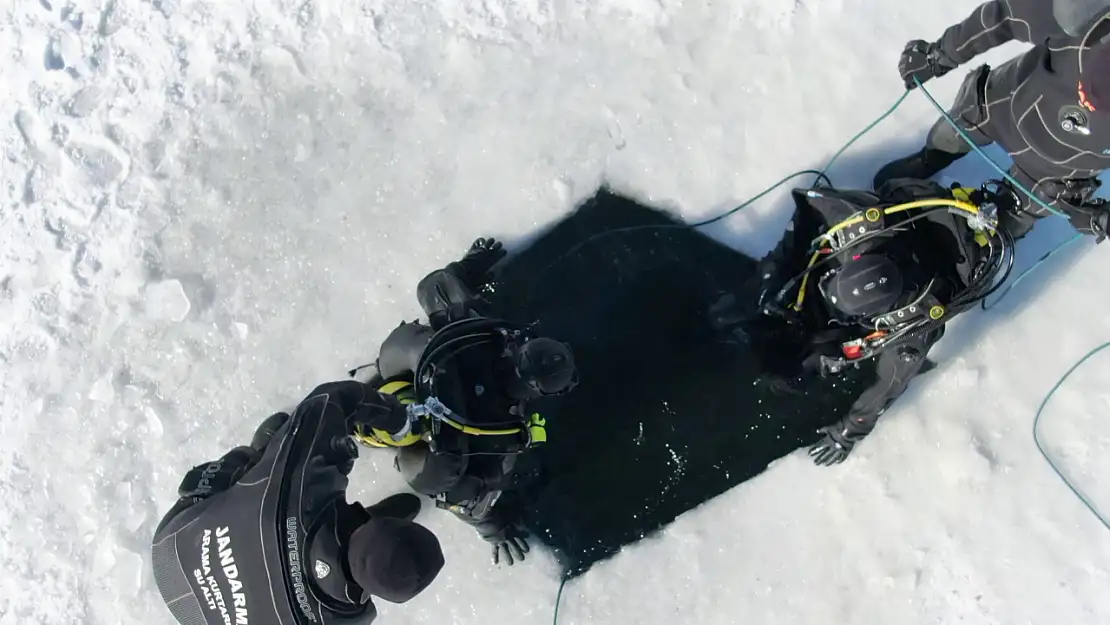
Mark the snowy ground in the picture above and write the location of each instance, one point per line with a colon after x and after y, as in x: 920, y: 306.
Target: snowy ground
x: 211, y: 205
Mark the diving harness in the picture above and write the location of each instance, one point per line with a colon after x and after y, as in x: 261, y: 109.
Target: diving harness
x: 979, y: 207
x: 428, y: 415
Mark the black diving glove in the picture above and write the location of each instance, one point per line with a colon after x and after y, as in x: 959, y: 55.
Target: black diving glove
x: 834, y: 447
x: 382, y: 412
x: 1092, y: 217
x: 1100, y: 218
x: 510, y: 541
x: 923, y: 61
x: 474, y: 267
x: 216, y: 476
x: 1072, y: 197
x: 1075, y: 198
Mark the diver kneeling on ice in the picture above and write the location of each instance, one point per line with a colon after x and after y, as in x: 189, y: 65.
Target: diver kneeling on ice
x: 862, y: 275
x: 264, y: 533
x: 468, y: 381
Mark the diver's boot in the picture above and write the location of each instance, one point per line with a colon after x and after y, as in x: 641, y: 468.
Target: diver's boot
x: 922, y: 165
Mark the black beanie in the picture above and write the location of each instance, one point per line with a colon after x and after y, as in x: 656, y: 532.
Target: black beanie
x: 393, y: 559
x: 1096, y: 76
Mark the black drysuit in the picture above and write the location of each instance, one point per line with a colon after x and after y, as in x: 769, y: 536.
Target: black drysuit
x: 940, y: 246
x: 260, y: 535
x: 474, y: 477
x: 1030, y: 106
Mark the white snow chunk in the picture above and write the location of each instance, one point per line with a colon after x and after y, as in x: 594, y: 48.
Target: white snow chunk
x: 166, y: 300
x: 967, y: 378
x: 128, y: 571
x: 102, y: 390
x: 563, y: 189
x: 104, y: 558
x: 102, y: 167
x: 153, y: 422
x: 85, y: 101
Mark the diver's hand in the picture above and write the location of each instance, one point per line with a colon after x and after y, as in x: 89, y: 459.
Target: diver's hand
x: 512, y: 542
x: 833, y: 448
x: 474, y: 267
x: 922, y: 61
x: 214, y: 477
x: 382, y: 412
x: 1100, y: 219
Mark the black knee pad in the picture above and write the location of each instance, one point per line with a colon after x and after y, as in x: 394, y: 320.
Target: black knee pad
x: 400, y: 506
x: 428, y: 473
x: 401, y: 349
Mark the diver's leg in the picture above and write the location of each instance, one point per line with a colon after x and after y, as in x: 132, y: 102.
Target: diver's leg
x: 404, y: 506
x: 445, y: 298
x: 731, y: 311
x: 944, y: 145
x: 401, y: 350
x: 428, y: 473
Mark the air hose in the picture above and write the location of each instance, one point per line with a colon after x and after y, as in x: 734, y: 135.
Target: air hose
x: 823, y: 175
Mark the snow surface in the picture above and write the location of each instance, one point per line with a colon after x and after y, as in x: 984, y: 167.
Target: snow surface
x: 209, y: 206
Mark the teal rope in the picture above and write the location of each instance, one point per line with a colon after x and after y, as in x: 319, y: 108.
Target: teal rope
x: 1018, y: 185
x: 1048, y: 459
x: 558, y: 599
x: 1028, y: 271
x: 823, y: 174
x: 880, y: 119
x: 980, y: 152
x: 818, y: 176
x: 1036, y: 439
x: 605, y: 233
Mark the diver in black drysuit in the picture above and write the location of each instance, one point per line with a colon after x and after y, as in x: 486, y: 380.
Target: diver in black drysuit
x: 264, y: 534
x: 887, y: 281
x: 1049, y: 108
x: 488, y: 384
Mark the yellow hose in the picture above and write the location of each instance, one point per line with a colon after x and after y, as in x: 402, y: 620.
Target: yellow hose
x: 466, y: 429
x: 379, y: 438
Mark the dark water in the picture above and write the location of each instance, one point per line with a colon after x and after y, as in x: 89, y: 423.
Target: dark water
x: 668, y: 414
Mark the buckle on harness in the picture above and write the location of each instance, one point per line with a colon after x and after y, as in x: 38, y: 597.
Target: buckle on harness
x: 926, y: 305
x: 872, y: 220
